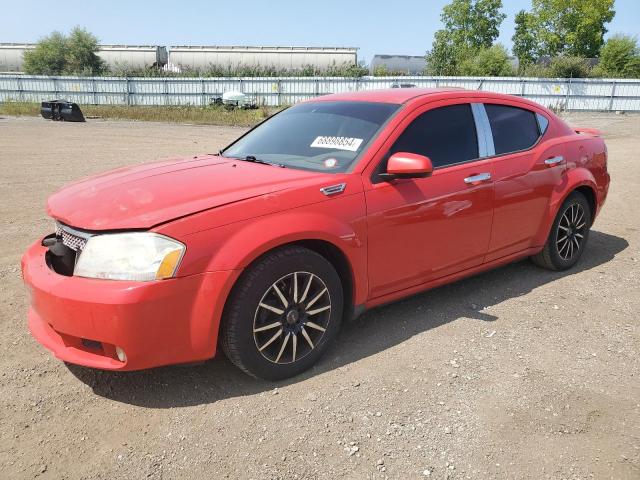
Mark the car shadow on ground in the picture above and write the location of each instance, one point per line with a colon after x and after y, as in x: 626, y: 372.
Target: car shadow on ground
x: 375, y: 331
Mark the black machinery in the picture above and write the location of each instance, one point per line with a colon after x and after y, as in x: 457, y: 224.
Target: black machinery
x: 61, y: 110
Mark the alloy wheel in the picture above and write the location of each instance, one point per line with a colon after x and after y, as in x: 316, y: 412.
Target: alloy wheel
x: 292, y: 317
x: 571, y: 231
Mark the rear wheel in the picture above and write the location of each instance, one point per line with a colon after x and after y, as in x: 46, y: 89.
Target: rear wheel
x: 282, y: 314
x: 569, y: 234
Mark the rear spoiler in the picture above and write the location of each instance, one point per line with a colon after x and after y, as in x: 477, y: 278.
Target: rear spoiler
x: 593, y: 132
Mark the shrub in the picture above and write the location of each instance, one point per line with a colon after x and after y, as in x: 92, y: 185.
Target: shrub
x: 487, y: 62
x: 569, y: 67
x: 620, y: 58
x: 534, y: 70
x: 384, y: 71
x: 345, y: 70
x: 381, y: 71
x: 60, y: 55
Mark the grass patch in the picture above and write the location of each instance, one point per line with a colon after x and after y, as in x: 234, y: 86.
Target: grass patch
x: 214, y: 115
x: 19, y: 109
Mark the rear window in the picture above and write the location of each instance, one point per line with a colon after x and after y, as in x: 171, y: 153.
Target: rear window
x: 513, y: 128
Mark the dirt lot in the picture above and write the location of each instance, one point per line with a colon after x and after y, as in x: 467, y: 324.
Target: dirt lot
x: 516, y: 373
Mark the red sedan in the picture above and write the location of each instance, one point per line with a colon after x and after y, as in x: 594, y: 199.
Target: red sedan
x: 328, y: 208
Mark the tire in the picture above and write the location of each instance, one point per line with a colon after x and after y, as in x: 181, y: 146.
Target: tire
x: 561, y: 251
x: 282, y: 313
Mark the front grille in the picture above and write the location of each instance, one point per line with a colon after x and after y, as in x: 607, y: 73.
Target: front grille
x: 73, y: 239
x: 64, y: 247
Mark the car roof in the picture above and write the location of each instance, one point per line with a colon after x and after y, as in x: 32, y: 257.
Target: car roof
x: 388, y: 95
x: 405, y: 95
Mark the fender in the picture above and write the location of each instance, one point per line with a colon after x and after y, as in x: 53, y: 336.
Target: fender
x: 571, y: 179
x: 258, y: 237
x: 339, y: 221
x: 225, y: 251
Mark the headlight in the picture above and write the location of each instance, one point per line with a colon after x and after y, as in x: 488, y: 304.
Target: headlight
x: 138, y: 256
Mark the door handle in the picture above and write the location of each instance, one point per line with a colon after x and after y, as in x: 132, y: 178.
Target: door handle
x: 550, y: 162
x: 481, y: 177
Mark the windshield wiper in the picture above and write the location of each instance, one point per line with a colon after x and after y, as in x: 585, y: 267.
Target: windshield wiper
x: 254, y: 159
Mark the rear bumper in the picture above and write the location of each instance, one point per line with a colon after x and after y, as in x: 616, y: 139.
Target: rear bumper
x: 156, y: 323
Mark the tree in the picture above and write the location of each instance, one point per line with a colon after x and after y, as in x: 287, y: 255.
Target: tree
x: 48, y: 57
x: 488, y: 62
x: 562, y: 27
x: 473, y: 24
x: 57, y: 54
x: 469, y: 26
x: 81, y: 58
x: 444, y: 56
x: 620, y: 57
x: 524, y: 41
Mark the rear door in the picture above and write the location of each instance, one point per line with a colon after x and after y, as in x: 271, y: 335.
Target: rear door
x: 526, y: 168
x: 426, y: 228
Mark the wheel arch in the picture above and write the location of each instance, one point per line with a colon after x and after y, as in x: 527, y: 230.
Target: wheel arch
x: 329, y: 251
x: 336, y: 257
x: 590, y: 194
x: 580, y: 180
x: 585, y: 188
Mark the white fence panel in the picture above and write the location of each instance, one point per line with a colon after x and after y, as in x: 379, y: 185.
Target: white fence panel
x: 572, y: 94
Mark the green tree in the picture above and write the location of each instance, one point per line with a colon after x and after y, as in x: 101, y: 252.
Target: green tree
x: 563, y: 27
x: 444, y: 56
x: 468, y: 26
x: 524, y: 40
x: 473, y: 24
x: 48, y: 57
x: 620, y: 57
x: 488, y: 62
x: 81, y: 58
x: 58, y: 54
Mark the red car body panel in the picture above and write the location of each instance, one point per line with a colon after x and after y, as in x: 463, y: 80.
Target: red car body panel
x: 457, y: 215
x: 394, y: 238
x: 156, y: 323
x: 147, y: 195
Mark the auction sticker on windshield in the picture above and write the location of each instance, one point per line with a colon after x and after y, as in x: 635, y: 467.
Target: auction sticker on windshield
x: 337, y: 143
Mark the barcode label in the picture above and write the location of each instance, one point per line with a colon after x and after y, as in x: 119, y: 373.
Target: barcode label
x: 337, y: 143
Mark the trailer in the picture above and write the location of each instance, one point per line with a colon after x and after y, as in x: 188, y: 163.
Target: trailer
x: 201, y: 58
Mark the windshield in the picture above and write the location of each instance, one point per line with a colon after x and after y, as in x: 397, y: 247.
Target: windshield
x: 319, y: 136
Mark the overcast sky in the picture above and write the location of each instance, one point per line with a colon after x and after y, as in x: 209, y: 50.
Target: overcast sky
x: 375, y: 26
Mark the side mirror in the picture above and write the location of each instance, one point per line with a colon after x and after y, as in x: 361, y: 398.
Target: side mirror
x: 407, y: 165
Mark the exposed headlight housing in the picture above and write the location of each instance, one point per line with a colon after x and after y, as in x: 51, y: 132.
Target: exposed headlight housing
x: 136, y: 256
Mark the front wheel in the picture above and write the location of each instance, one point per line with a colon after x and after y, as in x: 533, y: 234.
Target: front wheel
x: 569, y: 234
x: 282, y: 314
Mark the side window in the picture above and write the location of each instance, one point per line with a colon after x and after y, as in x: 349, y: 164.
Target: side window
x: 513, y: 128
x: 446, y: 135
x: 543, y: 123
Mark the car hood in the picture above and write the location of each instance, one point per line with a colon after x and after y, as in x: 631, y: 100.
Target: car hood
x: 144, y: 196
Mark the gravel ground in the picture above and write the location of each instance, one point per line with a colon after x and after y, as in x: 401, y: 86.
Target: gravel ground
x: 515, y: 373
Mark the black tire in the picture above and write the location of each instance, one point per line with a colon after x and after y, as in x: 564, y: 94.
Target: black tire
x: 574, y: 218
x: 247, y: 326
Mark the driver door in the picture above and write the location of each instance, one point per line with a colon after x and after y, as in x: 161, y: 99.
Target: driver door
x: 422, y: 229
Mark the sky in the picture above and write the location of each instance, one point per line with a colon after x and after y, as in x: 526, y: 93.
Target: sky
x: 374, y: 26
